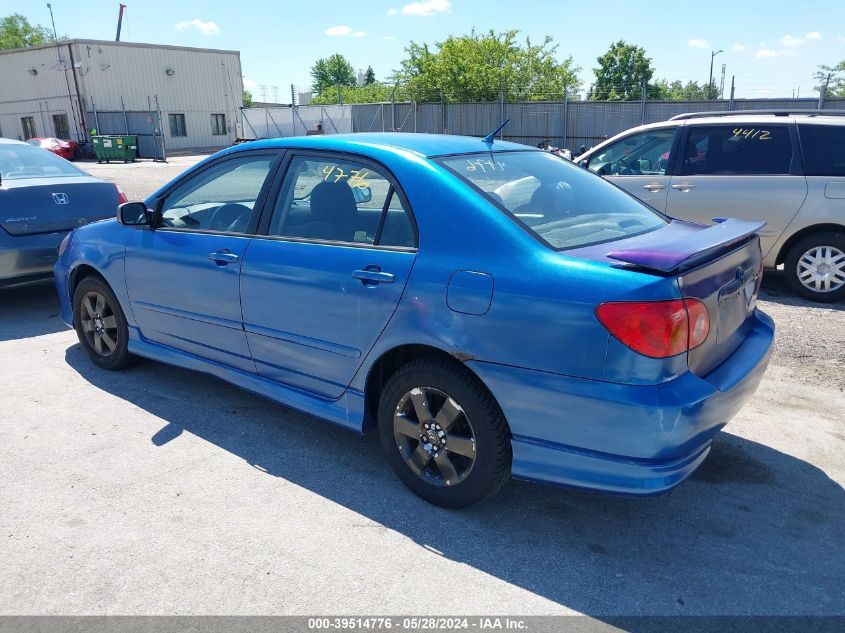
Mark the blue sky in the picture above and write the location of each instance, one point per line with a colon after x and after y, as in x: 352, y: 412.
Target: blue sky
x: 771, y: 47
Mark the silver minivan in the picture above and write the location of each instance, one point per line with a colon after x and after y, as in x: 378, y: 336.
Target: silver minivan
x: 786, y: 168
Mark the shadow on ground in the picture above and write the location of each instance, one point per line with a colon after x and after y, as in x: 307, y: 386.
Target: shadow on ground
x: 755, y: 531
x: 774, y: 288
x: 29, y: 311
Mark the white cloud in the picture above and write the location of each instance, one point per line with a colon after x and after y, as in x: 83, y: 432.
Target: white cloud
x: 766, y: 52
x: 813, y: 35
x: 206, y: 28
x: 340, y: 30
x: 424, y: 8
x: 790, y: 40
x: 738, y: 48
x: 695, y: 43
x: 357, y: 34
x: 249, y: 84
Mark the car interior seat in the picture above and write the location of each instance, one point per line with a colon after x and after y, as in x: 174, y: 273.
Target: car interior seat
x: 333, y: 214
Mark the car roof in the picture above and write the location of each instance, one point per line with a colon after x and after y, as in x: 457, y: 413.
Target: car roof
x: 763, y: 117
x: 426, y: 145
x: 11, y: 141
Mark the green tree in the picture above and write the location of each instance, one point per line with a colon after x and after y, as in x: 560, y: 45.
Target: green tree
x: 368, y: 93
x: 621, y: 73
x: 370, y: 76
x: 247, y: 99
x: 678, y: 91
x: 476, y: 67
x: 329, y: 72
x: 836, y: 86
x: 17, y: 32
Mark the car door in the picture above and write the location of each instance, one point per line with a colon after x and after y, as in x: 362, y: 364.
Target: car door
x: 750, y: 171
x: 638, y: 163
x: 183, y: 275
x: 325, y: 277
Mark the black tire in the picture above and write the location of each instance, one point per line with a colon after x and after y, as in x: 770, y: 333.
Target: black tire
x: 105, y: 322
x: 475, y: 416
x: 795, y: 258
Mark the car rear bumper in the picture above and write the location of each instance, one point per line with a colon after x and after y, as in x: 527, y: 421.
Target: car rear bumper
x: 27, y: 258
x: 627, y: 439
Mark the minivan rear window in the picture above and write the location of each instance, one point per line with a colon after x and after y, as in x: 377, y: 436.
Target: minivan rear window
x: 564, y: 205
x: 737, y: 150
x: 824, y: 149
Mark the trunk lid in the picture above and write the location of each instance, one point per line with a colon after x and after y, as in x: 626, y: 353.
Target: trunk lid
x: 49, y: 205
x: 720, y: 265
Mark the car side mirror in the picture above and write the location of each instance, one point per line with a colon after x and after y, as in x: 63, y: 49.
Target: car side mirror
x: 134, y: 214
x: 362, y: 194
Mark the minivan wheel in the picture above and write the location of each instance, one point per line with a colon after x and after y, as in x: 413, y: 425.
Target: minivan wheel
x: 100, y: 324
x: 444, y: 435
x: 815, y: 267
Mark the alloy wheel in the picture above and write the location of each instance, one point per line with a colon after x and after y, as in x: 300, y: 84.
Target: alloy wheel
x: 99, y: 323
x: 434, y: 436
x: 822, y: 269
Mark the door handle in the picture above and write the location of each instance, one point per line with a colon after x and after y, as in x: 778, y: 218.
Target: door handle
x: 222, y: 258
x: 654, y: 187
x: 372, y: 276
x: 684, y: 186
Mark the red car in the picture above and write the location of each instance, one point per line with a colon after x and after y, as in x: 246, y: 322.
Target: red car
x: 65, y: 149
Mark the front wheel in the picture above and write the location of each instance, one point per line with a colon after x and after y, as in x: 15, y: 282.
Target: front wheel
x: 815, y: 267
x: 444, y: 435
x: 100, y: 324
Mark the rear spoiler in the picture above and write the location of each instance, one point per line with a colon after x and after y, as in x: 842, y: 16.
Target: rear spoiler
x: 673, y: 256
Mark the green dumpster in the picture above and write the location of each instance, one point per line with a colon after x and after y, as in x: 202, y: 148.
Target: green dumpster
x: 112, y: 147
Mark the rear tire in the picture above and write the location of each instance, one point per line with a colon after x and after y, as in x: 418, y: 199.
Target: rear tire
x: 815, y: 267
x: 443, y: 433
x: 101, y: 325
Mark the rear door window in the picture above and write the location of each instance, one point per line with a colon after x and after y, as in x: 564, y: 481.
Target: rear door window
x: 737, y: 150
x: 824, y: 149
x: 340, y: 200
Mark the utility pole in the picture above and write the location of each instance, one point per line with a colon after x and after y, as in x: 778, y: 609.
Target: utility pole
x: 722, y: 83
x: 710, y: 80
x: 733, y: 85
x: 823, y: 90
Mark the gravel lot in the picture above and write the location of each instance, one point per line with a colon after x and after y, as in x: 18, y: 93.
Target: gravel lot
x: 162, y: 491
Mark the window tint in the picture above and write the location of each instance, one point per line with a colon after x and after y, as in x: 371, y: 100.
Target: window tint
x: 824, y: 149
x: 341, y: 201
x: 727, y: 150
x: 561, y: 203
x: 26, y: 161
x: 220, y: 198
x: 641, y: 154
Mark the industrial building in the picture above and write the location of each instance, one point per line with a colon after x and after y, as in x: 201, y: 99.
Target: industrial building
x: 172, y: 97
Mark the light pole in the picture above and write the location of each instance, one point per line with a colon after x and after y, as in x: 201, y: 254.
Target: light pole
x: 710, y: 80
x: 55, y: 37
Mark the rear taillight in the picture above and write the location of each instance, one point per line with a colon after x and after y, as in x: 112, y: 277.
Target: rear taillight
x: 121, y: 197
x: 658, y: 329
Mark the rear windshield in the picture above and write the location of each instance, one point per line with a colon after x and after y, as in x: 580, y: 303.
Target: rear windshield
x: 564, y: 205
x: 26, y: 161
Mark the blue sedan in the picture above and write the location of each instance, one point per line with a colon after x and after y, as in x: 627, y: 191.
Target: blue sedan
x: 42, y: 198
x: 490, y: 309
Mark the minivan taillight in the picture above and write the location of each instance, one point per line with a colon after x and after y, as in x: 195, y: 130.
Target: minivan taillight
x: 658, y: 329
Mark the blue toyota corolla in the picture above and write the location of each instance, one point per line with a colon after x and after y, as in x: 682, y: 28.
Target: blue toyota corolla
x: 491, y: 309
